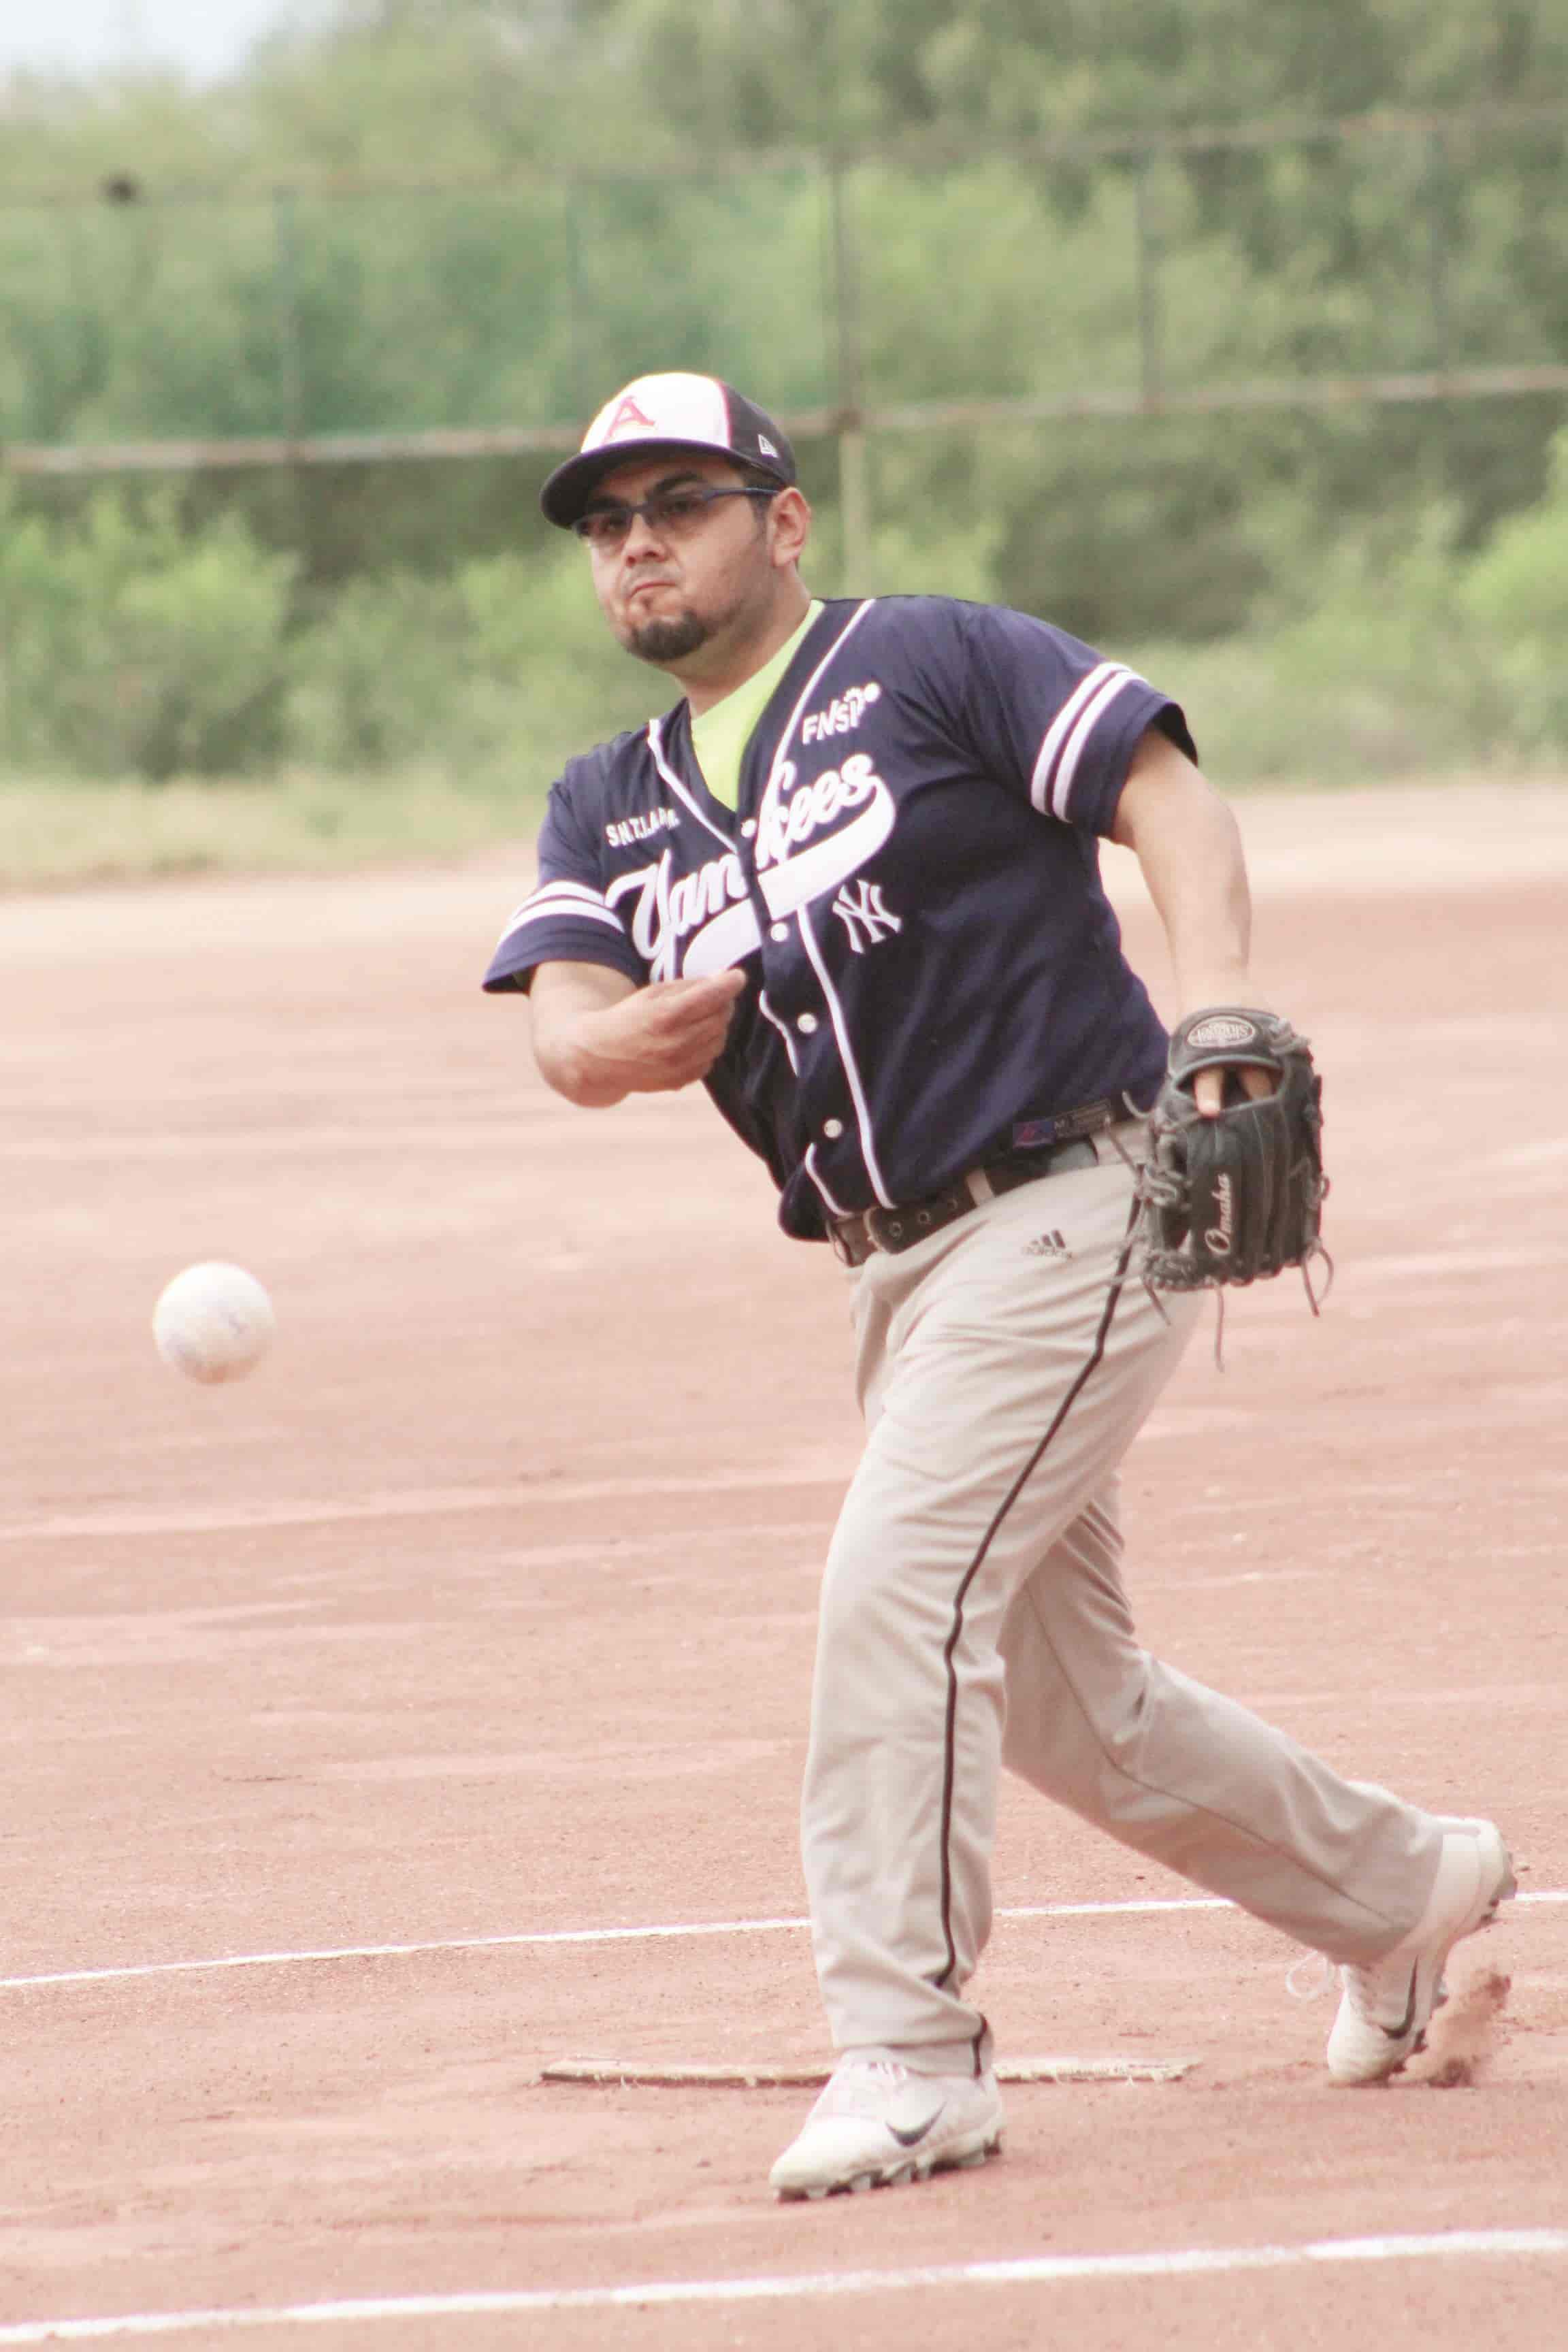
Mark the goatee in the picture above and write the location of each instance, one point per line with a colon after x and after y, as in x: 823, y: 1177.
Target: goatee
x: 666, y: 641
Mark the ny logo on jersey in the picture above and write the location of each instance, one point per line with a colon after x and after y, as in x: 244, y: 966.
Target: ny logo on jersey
x: 866, y: 917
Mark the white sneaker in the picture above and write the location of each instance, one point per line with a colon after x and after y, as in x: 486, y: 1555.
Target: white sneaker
x: 1386, y: 2008
x: 878, y: 2123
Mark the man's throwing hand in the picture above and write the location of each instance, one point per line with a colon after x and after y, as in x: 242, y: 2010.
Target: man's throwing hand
x: 599, y: 1038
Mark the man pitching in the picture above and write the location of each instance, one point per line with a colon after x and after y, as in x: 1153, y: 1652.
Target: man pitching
x: 850, y: 883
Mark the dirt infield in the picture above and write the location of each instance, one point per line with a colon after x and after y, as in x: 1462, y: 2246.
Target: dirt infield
x: 482, y: 1616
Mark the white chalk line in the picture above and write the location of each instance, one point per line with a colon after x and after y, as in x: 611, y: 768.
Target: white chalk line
x: 652, y: 1934
x: 793, y: 1471
x: 821, y: 1466
x: 1038, y: 2270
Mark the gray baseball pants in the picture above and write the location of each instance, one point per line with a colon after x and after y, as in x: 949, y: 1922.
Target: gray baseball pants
x: 974, y: 1614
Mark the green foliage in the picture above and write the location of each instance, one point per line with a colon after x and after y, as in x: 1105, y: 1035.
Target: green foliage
x: 1374, y: 675
x: 504, y: 659
x: 131, y: 644
x: 1518, y: 589
x: 1400, y: 659
x: 378, y: 679
x: 490, y: 212
x: 1153, y: 538
x: 1514, y: 595
x: 137, y: 646
x: 56, y: 834
x: 780, y: 72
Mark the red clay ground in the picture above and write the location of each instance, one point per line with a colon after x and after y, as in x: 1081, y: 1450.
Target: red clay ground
x: 485, y: 1610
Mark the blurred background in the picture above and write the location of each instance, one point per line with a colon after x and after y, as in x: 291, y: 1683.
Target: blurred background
x: 1235, y: 339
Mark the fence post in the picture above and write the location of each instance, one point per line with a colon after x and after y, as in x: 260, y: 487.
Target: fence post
x: 854, y: 475
x: 1146, y: 277
x: 286, y: 281
x: 1436, y: 250
x: 575, y: 360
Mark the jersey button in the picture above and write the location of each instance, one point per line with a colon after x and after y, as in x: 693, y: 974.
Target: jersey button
x: 748, y: 828
x: 779, y: 931
x: 833, y: 1129
x: 806, y: 1022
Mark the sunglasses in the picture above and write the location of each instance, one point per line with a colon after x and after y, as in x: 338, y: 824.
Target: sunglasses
x: 669, y: 514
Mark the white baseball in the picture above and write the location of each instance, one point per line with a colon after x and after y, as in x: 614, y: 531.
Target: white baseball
x: 214, y: 1322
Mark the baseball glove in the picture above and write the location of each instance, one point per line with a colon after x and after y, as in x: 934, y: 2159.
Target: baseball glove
x: 1228, y: 1198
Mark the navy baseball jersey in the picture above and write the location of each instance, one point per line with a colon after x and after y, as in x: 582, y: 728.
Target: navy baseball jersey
x: 910, y: 882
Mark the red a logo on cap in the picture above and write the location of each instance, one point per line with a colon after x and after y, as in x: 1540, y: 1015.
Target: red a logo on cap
x: 625, y: 417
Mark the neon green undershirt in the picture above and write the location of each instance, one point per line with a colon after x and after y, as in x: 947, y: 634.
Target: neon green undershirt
x: 722, y: 734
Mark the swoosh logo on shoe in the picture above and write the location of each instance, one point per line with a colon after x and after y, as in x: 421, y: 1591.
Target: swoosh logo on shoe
x: 1397, y: 2032
x: 913, y: 2139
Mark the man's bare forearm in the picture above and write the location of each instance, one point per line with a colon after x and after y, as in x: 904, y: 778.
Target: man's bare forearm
x: 562, y: 998
x: 1188, y: 844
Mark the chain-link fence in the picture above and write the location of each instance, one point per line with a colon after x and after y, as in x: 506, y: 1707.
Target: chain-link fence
x: 1387, y: 259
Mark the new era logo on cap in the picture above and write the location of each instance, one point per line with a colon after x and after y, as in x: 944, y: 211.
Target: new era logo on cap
x: 668, y: 412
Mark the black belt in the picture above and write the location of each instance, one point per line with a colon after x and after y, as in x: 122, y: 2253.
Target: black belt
x: 856, y: 1238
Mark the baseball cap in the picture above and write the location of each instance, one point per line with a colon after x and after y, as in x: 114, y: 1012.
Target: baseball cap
x: 667, y: 412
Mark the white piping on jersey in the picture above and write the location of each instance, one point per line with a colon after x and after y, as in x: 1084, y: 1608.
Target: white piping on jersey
x: 656, y: 736
x: 655, y: 745
x: 1049, y: 786
x: 840, y: 1031
x: 834, y: 1208
x: 560, y: 899
x: 836, y: 1010
x: 656, y: 733
x: 850, y: 625
x: 766, y: 1010
x: 856, y: 1090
